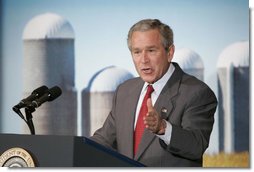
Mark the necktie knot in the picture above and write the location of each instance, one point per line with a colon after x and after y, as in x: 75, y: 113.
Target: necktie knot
x: 149, y: 90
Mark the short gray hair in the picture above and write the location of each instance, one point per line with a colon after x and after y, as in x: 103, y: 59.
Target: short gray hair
x: 149, y: 24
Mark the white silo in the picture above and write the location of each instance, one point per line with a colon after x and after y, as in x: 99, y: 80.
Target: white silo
x: 98, y: 96
x: 233, y: 96
x: 48, y: 41
x: 190, y: 62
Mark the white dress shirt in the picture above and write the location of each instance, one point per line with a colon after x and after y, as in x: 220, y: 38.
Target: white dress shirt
x: 157, y: 86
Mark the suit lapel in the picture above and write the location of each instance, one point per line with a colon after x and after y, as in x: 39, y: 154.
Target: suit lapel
x: 165, y: 102
x: 164, y: 105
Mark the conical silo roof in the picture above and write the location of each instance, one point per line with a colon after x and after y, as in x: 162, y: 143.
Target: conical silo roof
x: 48, y: 26
x: 236, y: 54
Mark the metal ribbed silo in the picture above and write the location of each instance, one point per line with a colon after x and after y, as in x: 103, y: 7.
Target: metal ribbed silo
x: 190, y: 62
x: 48, y: 42
x: 233, y: 96
x: 97, y: 97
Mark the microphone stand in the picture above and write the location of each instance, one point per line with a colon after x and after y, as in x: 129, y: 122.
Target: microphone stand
x: 29, y: 110
x: 29, y: 118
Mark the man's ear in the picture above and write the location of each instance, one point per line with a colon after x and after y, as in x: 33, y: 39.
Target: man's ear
x: 171, y: 52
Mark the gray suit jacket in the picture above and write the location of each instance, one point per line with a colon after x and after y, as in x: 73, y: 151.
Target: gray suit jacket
x: 187, y: 103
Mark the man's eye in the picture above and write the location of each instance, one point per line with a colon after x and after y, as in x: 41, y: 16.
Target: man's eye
x: 136, y: 52
x: 151, y: 50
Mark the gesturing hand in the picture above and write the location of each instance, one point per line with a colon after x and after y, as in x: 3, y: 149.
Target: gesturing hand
x: 153, y: 120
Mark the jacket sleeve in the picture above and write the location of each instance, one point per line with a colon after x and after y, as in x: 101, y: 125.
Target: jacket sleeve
x: 191, y: 138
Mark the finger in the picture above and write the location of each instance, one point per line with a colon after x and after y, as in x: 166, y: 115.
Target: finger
x: 149, y: 118
x: 150, y: 107
x: 151, y: 114
x: 151, y: 128
x: 150, y: 124
x: 151, y: 121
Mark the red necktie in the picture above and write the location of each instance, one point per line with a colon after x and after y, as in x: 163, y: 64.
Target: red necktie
x: 140, y: 126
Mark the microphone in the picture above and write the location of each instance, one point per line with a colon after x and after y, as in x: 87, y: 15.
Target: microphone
x: 49, y: 95
x: 34, y: 95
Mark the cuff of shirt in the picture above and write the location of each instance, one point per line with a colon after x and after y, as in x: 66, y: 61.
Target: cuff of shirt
x: 167, y: 136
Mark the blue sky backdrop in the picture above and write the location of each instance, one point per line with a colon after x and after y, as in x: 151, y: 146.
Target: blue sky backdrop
x: 101, y: 27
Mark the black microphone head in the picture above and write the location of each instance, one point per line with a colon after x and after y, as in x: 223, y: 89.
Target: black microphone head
x: 40, y: 91
x: 54, y: 92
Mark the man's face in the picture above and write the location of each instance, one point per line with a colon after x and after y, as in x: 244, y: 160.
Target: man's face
x: 149, y: 55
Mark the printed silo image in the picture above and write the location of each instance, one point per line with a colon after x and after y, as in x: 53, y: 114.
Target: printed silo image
x: 48, y: 45
x: 97, y: 97
x: 190, y: 62
x: 233, y: 95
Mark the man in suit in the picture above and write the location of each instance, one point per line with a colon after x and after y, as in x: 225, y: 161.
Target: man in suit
x: 165, y: 116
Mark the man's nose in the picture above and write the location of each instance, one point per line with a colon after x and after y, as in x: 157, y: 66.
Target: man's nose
x: 144, y: 57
